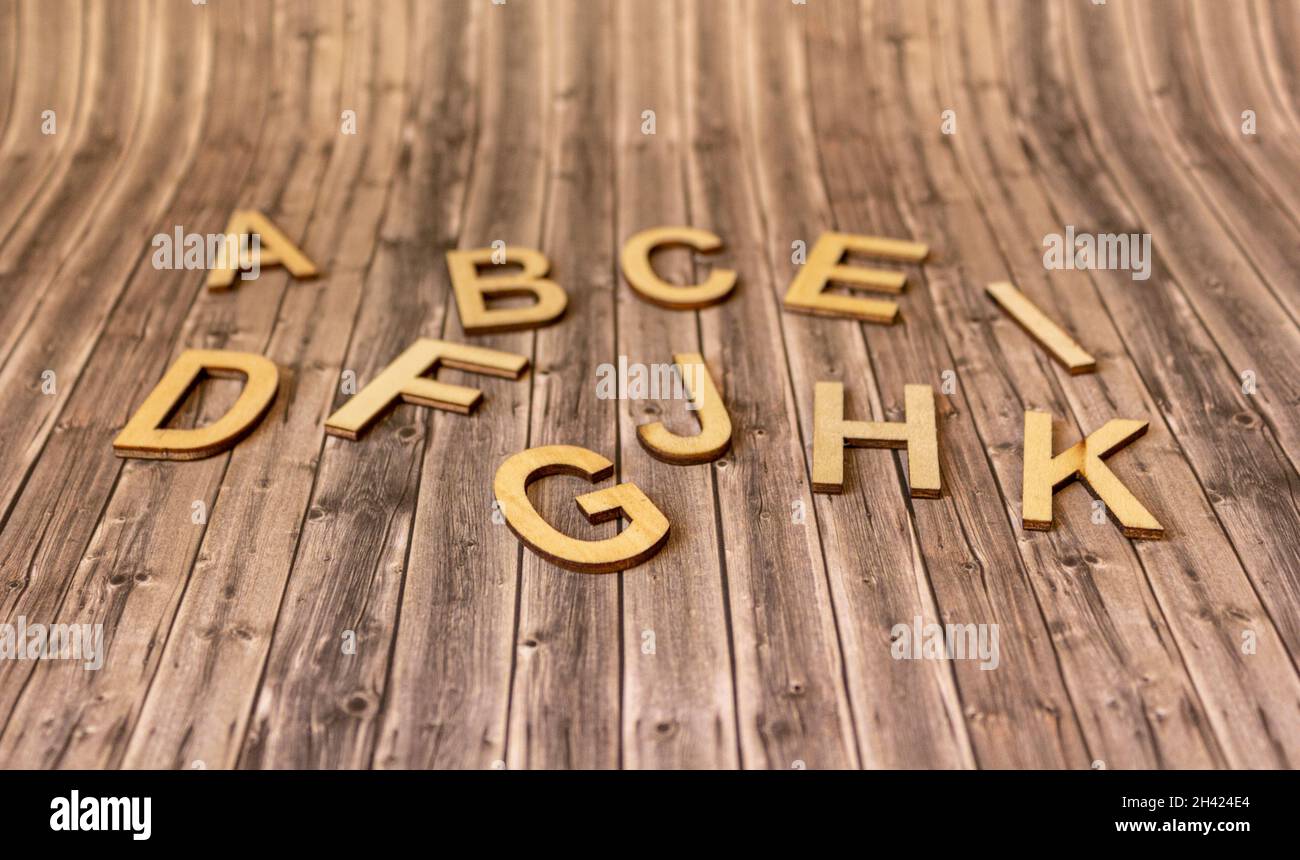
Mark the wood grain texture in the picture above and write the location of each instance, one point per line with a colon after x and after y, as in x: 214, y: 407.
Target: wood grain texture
x: 318, y: 705
x: 447, y: 698
x: 969, y: 552
x: 679, y: 697
x: 877, y: 575
x: 565, y: 702
x: 792, y: 704
x: 65, y: 567
x: 223, y: 626
x: 303, y: 600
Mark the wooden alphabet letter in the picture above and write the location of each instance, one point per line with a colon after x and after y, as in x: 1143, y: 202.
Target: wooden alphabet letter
x: 405, y: 380
x: 471, y: 288
x: 143, y: 435
x: 806, y: 293
x: 645, y: 535
x: 714, y: 437
x: 1045, y: 474
x: 639, y: 273
x: 918, y: 434
x: 274, y: 249
x: 1041, y: 328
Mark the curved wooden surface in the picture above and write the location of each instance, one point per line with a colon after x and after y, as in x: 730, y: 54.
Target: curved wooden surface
x: 760, y: 636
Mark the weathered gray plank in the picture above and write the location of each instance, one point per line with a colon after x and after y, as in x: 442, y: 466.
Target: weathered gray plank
x: 448, y: 693
x: 54, y: 29
x: 792, y: 703
x: 319, y: 704
x: 564, y: 705
x: 678, y: 695
x: 51, y: 522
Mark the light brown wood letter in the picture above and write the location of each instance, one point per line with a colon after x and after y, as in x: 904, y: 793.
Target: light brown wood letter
x: 641, y: 275
x: 918, y: 434
x: 714, y: 437
x: 275, y: 249
x: 405, y: 379
x: 645, y: 535
x: 143, y: 435
x: 472, y: 288
x: 823, y: 267
x: 1040, y: 327
x: 1045, y: 474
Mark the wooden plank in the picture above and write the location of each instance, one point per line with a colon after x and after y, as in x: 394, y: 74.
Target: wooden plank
x: 565, y: 699
x: 1242, y: 81
x: 62, y: 334
x: 1158, y: 40
x: 9, y: 70
x: 678, y: 695
x: 107, y: 127
x: 792, y: 703
x: 200, y: 699
x: 136, y: 518
x: 1276, y: 29
x: 318, y: 705
x: 54, y: 233
x: 448, y: 691
x: 860, y: 528
x: 292, y: 178
x: 54, y: 29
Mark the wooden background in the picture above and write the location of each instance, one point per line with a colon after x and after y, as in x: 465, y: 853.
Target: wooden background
x: 775, y: 122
